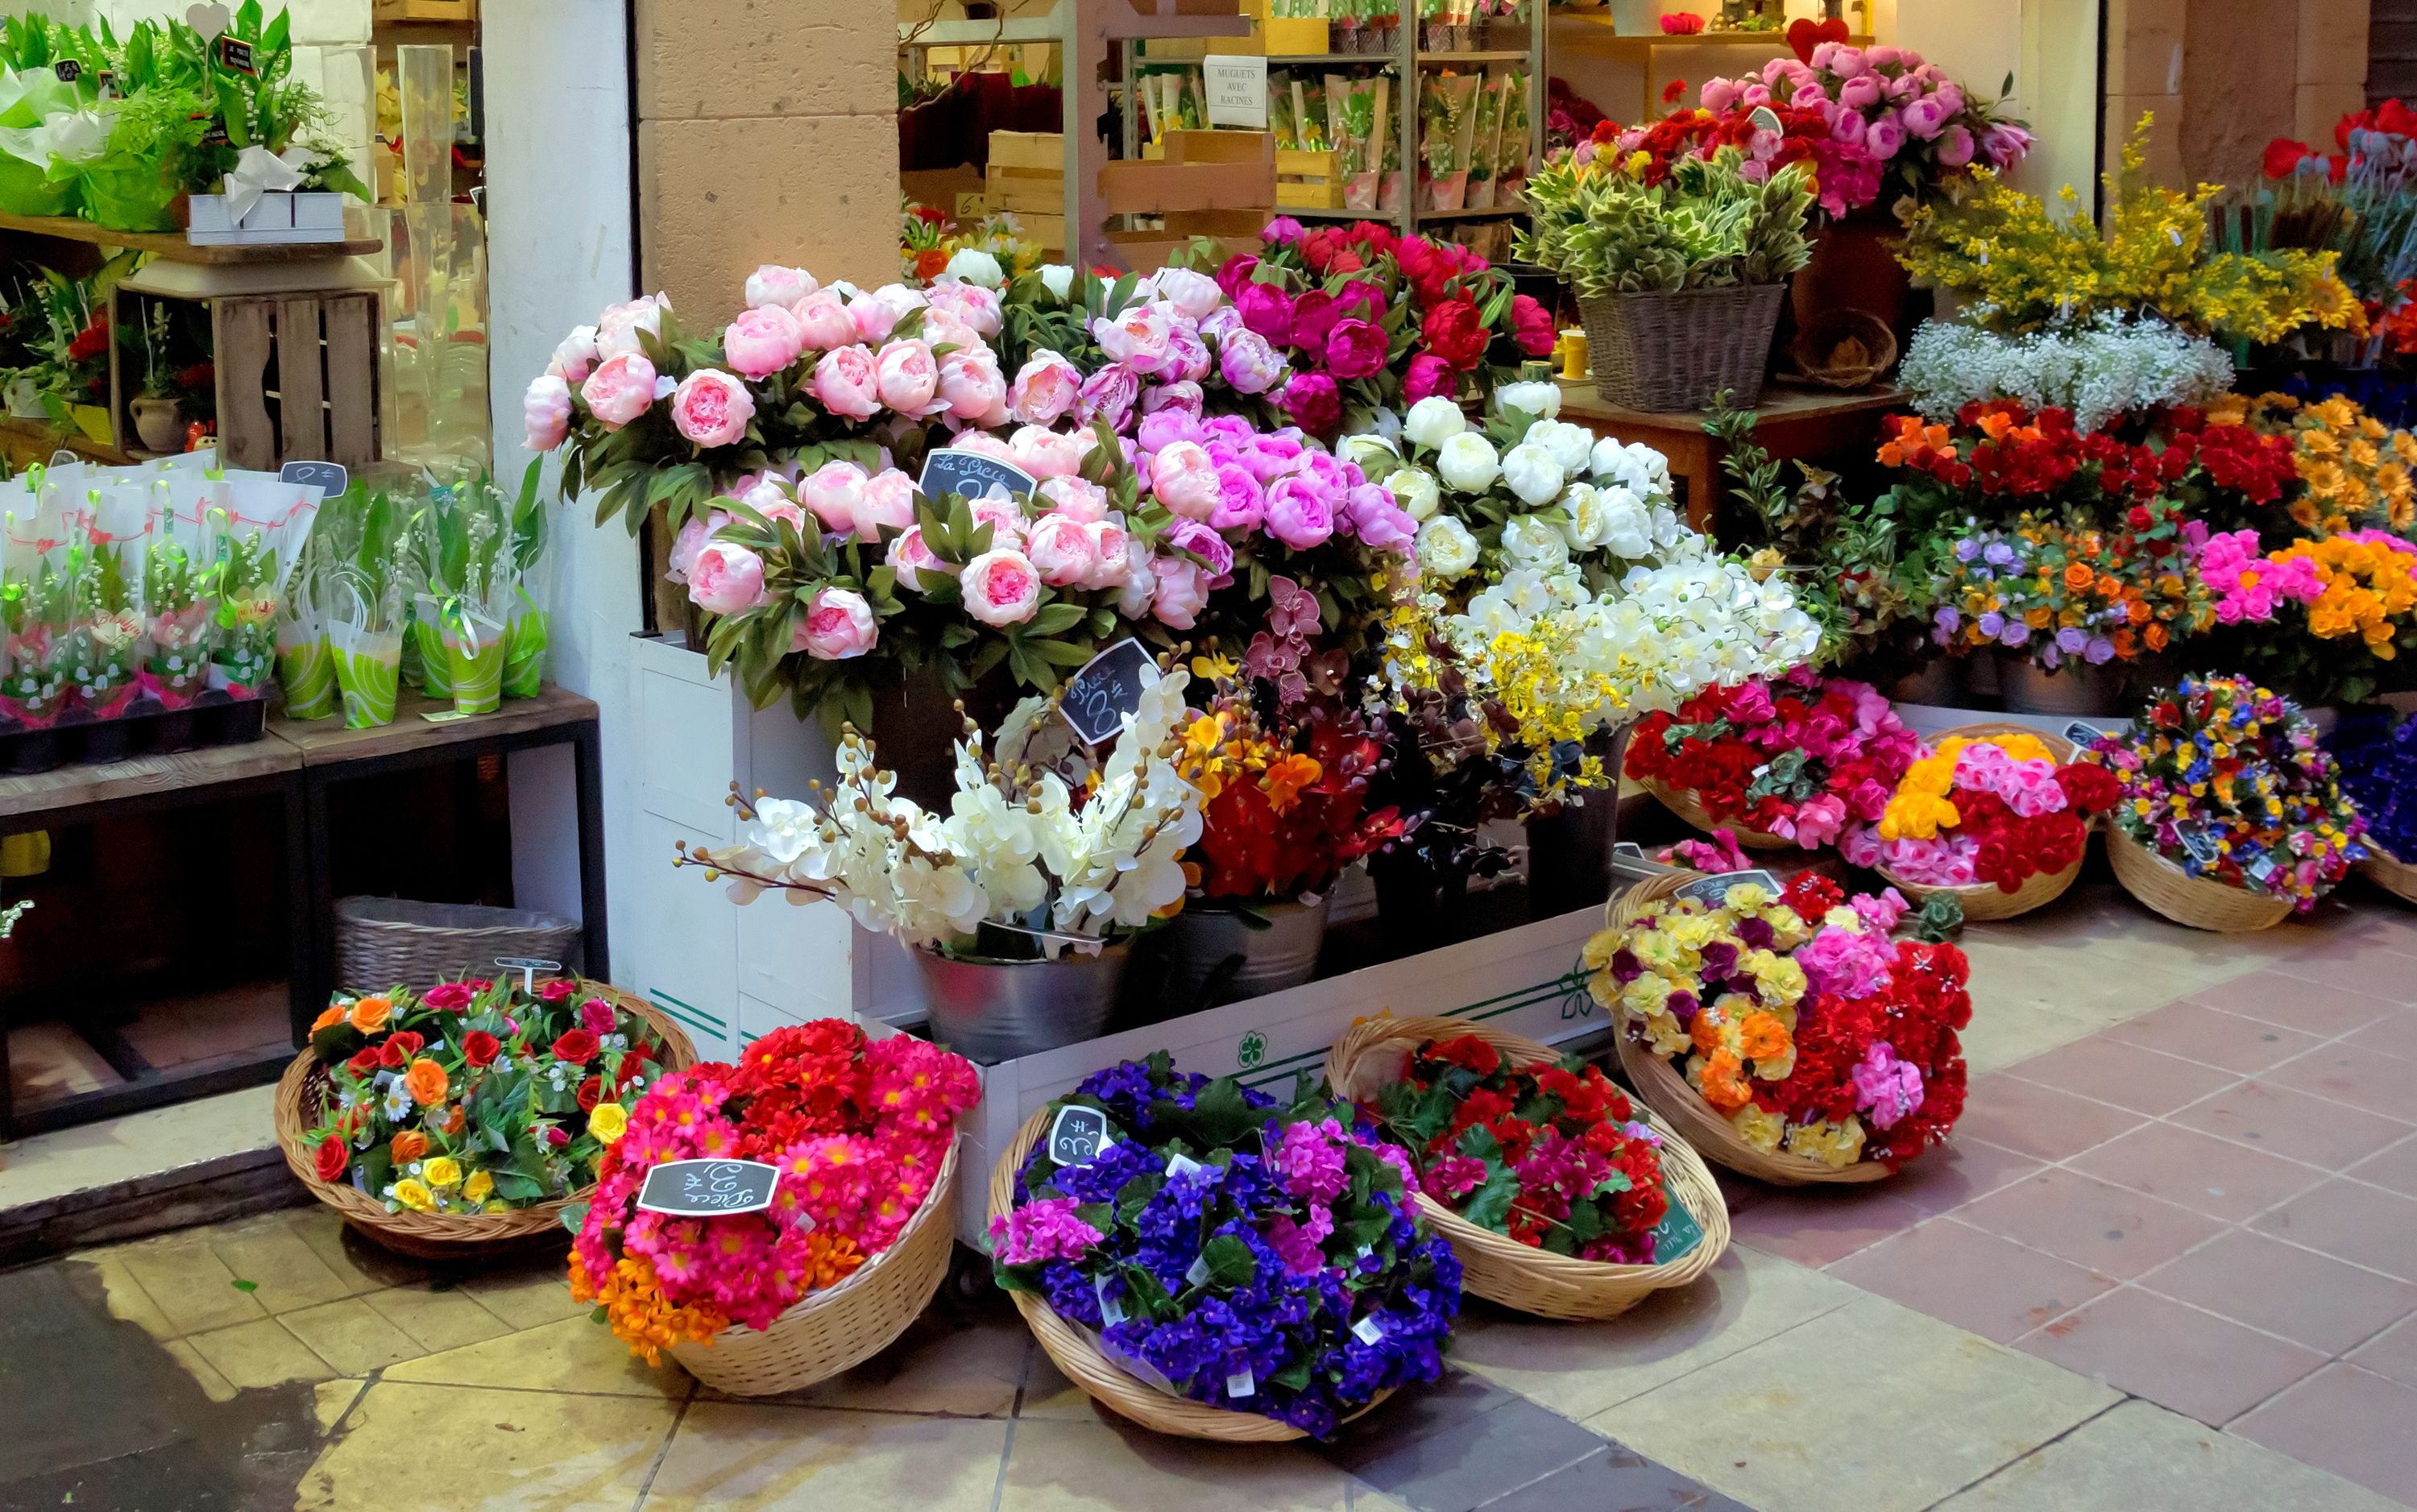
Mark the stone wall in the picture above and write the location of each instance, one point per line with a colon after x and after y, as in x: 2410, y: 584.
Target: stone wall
x: 2225, y: 76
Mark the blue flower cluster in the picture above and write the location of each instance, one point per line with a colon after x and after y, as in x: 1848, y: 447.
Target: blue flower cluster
x: 2377, y: 765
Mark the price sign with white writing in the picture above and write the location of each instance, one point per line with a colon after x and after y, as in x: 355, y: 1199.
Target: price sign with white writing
x: 1078, y: 1134
x: 1109, y: 686
x: 707, y: 1188
x: 948, y: 470
x: 329, y: 478
x: 1711, y: 890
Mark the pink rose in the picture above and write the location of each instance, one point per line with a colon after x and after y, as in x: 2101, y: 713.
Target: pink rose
x: 1822, y: 53
x: 1849, y: 63
x: 762, y: 341
x: 887, y: 498
x: 725, y: 577
x: 576, y: 355
x: 1376, y: 520
x: 914, y: 563
x: 712, y: 408
x: 942, y: 327
x: 1062, y: 551
x: 838, y: 625
x: 1045, y: 453
x: 1719, y: 95
x: 1109, y: 394
x: 908, y: 379
x: 1881, y: 57
x: 972, y: 386
x: 1241, y: 503
x: 618, y: 328
x: 1184, y: 477
x: 847, y: 383
x: 831, y: 492
x: 1183, y: 593
x: 1183, y: 397
x: 823, y: 320
x: 1954, y: 147
x: 1195, y: 296
x: 1950, y: 99
x: 1296, y: 514
x: 690, y: 541
x: 1849, y: 129
x: 620, y: 390
x: 1138, y: 337
x: 1314, y: 314
x: 1187, y: 358
x: 2004, y: 145
x: 774, y: 287
x: 1251, y: 366
x: 1354, y: 349
x: 1163, y: 428
x: 1111, y: 552
x: 1809, y: 98
x: 545, y: 412
x: 1045, y: 387
x: 977, y: 307
x: 1752, y: 96
x: 1885, y: 138
x: 1001, y: 588
x: 1075, y: 498
x: 1313, y: 403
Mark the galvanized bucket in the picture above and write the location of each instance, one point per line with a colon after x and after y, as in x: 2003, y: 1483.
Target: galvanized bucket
x: 1264, y: 960
x: 991, y: 1011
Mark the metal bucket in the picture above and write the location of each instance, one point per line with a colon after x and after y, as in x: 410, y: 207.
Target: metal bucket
x: 2075, y: 687
x: 1285, y: 954
x: 996, y: 1010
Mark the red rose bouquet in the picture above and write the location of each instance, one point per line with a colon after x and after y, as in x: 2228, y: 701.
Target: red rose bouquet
x: 858, y: 1129
x: 1995, y: 811
x: 1801, y: 756
x: 1554, y: 1158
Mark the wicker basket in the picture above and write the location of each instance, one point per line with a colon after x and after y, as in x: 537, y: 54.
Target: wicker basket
x: 1495, y: 1266
x: 1684, y: 802
x: 827, y: 1332
x: 2196, y: 902
x: 382, y: 941
x: 2389, y: 873
x: 1109, y: 1384
x: 1661, y: 353
x: 1660, y: 1086
x: 1987, y: 901
x: 301, y: 1102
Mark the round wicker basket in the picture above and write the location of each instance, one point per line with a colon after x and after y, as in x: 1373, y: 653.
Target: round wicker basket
x: 1986, y: 900
x: 301, y: 1101
x: 1682, y: 802
x: 1072, y: 1351
x: 1495, y: 1266
x: 2389, y: 873
x: 382, y: 941
x: 1660, y: 1086
x: 827, y: 1332
x: 2196, y: 902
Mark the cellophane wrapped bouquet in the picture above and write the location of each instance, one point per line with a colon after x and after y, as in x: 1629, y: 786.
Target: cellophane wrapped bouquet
x: 1992, y: 811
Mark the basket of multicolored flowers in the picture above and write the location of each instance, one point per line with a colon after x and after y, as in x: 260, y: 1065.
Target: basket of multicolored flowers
x: 1212, y: 1265
x: 1559, y: 1198
x: 460, y: 1120
x: 858, y: 1232
x: 1785, y: 1036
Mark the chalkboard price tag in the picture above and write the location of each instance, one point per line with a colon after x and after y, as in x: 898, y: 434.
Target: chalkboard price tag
x: 948, y: 470
x: 2082, y: 734
x: 1078, y: 1134
x: 1711, y: 890
x: 329, y: 478
x: 69, y: 71
x: 1109, y: 686
x: 236, y: 57
x: 708, y: 1189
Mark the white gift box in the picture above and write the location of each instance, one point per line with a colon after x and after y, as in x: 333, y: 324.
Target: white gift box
x: 278, y: 217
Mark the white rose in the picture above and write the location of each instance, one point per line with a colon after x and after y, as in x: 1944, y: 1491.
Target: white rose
x: 1541, y: 400
x: 1571, y: 446
x: 1627, y: 525
x: 1588, y: 518
x: 1446, y: 548
x: 1057, y: 279
x: 976, y: 266
x: 1466, y: 460
x: 1652, y: 465
x: 1414, y: 489
x: 1433, y: 422
x: 1373, y: 455
x: 1532, y: 473
x: 1533, y: 545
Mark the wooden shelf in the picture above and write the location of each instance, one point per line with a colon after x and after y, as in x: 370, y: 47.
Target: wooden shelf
x: 325, y: 742
x: 172, y: 246
x: 142, y: 776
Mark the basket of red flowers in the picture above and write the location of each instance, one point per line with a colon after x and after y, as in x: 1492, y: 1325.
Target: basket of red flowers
x: 1785, y: 1037
x: 1559, y: 1198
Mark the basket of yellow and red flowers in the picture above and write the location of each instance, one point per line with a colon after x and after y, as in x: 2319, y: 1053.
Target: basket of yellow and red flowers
x: 460, y: 1120
x: 1559, y: 1198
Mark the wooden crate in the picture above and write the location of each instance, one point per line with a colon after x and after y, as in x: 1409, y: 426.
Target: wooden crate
x: 1202, y: 171
x: 1027, y: 178
x: 1273, y: 36
x: 297, y: 375
x: 425, y: 10
x: 1309, y: 180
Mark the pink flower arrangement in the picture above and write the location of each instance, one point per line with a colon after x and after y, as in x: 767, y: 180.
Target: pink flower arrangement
x: 2247, y: 586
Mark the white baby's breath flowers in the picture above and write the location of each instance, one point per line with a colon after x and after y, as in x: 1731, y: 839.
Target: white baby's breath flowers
x: 2097, y: 371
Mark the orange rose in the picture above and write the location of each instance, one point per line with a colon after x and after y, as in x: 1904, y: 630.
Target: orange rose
x: 455, y: 1118
x: 329, y: 1020
x: 370, y: 1014
x: 1764, y: 1038
x: 2156, y: 636
x: 2079, y: 575
x: 425, y: 1081
x: 407, y: 1146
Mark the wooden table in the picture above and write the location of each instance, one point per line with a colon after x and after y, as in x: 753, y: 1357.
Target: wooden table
x: 301, y: 762
x: 1813, y: 424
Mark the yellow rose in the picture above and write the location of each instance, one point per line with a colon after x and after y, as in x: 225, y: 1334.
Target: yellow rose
x: 442, y: 1171
x: 415, y: 1196
x: 607, y: 1121
x: 477, y: 1187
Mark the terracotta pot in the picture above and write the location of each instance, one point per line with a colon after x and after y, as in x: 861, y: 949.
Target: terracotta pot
x: 1854, y: 267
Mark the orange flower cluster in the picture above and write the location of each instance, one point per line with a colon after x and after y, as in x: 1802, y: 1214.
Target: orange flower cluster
x: 2370, y: 584
x: 634, y: 1306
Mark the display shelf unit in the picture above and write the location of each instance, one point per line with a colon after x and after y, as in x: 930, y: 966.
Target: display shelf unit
x: 1592, y: 35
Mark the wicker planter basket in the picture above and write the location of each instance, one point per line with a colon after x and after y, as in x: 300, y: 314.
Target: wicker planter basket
x: 1660, y: 1086
x: 1987, y: 901
x: 1666, y: 351
x: 1684, y: 802
x: 382, y: 941
x: 827, y: 1332
x: 1495, y: 1266
x: 2389, y: 873
x: 301, y: 1101
x: 2196, y: 902
x: 1071, y: 1350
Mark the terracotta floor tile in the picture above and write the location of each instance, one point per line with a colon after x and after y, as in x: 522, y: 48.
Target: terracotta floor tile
x: 2108, y: 1229
x: 2394, y: 1167
x: 1816, y: 1224
x: 2392, y: 1352
x: 2306, y: 1298
x: 2294, y: 1002
x: 2291, y: 1123
x: 2174, y: 1355
x: 2214, y: 1038
x: 2378, y: 1083
x: 2395, y: 1037
x: 2016, y: 1115
x: 2364, y: 1225
x: 2359, y: 1426
x: 2379, y: 972
x: 2197, y: 1170
x: 1994, y: 1287
x: 1957, y: 1173
x: 2109, y: 1070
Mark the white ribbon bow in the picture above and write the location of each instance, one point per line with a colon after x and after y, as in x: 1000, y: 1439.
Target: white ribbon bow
x: 258, y: 170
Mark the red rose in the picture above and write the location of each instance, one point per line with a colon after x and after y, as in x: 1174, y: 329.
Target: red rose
x: 576, y: 1047
x: 364, y: 1062
x: 556, y: 990
x: 477, y: 984
x: 596, y: 1017
x: 330, y: 1158
x: 1318, y: 247
x: 479, y: 1047
x: 591, y: 1092
x: 1451, y: 332
x: 554, y: 1136
x: 1531, y: 325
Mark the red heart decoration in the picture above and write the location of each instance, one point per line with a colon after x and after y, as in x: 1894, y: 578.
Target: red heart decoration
x: 1835, y: 30
x: 1802, y: 35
